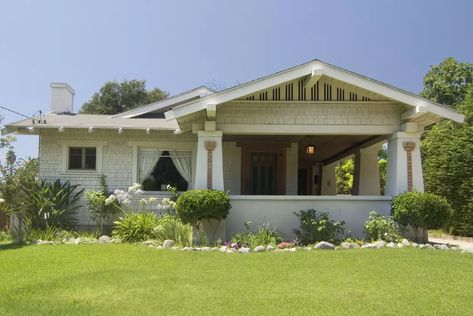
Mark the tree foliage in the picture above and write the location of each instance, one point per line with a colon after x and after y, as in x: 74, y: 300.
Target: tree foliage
x: 447, y: 82
x: 116, y: 97
x: 447, y: 147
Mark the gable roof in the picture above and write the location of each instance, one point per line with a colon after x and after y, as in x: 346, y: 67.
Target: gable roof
x: 317, y: 68
x: 167, y: 103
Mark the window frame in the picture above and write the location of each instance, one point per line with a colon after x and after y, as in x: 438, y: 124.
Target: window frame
x: 66, y: 145
x: 83, y: 158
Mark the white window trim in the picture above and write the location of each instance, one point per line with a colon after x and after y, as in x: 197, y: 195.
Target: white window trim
x: 163, y: 146
x: 65, y: 156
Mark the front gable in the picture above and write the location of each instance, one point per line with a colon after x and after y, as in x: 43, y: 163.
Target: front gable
x: 309, y: 93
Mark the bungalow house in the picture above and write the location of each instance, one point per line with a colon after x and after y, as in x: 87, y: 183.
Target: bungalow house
x: 272, y: 143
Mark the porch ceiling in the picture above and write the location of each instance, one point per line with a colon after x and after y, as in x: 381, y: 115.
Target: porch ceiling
x: 327, y: 147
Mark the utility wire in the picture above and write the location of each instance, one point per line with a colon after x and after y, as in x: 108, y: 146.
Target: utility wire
x: 18, y: 113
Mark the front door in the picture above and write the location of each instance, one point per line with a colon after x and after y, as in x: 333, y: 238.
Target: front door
x: 263, y: 173
x: 263, y: 168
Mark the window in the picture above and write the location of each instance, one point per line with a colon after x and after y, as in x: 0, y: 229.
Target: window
x: 158, y: 169
x: 82, y: 158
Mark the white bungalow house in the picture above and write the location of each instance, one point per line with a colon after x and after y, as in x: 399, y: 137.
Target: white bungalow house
x: 272, y: 143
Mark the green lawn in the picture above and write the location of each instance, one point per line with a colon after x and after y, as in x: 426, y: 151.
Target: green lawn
x: 133, y: 279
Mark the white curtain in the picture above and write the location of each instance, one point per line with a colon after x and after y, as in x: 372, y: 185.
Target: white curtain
x: 182, y: 161
x: 147, y: 159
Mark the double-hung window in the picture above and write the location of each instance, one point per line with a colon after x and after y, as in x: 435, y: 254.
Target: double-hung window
x: 82, y: 158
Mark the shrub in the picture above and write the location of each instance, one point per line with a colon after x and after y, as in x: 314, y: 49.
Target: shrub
x: 135, y: 227
x: 171, y: 227
x: 382, y: 227
x: 45, y: 204
x: 196, y: 205
x: 100, y: 211
x: 263, y: 236
x: 421, y: 211
x: 5, y: 236
x: 316, y: 226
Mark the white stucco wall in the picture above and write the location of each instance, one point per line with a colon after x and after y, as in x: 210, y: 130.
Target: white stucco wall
x: 278, y: 211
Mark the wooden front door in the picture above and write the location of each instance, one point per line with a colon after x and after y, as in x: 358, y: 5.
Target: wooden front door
x: 263, y: 168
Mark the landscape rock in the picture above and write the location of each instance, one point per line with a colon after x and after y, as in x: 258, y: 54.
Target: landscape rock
x: 168, y: 243
x: 205, y: 248
x: 77, y: 241
x: 307, y: 248
x: 187, y: 249
x: 400, y: 245
x: 230, y: 250
x: 269, y: 247
x: 347, y: 245
x: 278, y: 250
x: 259, y: 248
x: 414, y: 245
x: 370, y: 246
x: 159, y: 247
x: 223, y: 249
x: 104, y: 239
x: 149, y: 243
x: 428, y: 246
x: 380, y: 244
x: 391, y: 245
x: 325, y: 245
x: 292, y: 249
x: 421, y: 246
x: 405, y: 242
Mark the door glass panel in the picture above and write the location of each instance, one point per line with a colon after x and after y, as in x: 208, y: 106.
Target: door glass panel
x: 263, y: 173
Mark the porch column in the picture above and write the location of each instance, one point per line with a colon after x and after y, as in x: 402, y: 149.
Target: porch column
x: 209, y: 162
x: 329, y: 180
x: 404, y: 163
x: 366, y: 177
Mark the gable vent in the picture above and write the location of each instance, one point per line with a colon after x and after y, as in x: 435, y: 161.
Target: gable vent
x: 277, y: 94
x: 327, y: 92
x: 289, y: 91
x: 340, y: 94
x: 252, y: 97
x: 263, y: 95
x: 314, y: 92
x: 301, y: 90
x: 353, y: 96
x: 365, y: 99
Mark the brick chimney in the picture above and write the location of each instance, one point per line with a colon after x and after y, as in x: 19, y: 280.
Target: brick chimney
x: 62, y: 98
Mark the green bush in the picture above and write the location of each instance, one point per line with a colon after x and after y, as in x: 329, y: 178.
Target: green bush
x: 5, y: 236
x: 379, y: 227
x: 263, y: 236
x: 317, y: 226
x: 44, y: 204
x: 196, y: 205
x: 171, y: 227
x: 135, y: 227
x: 421, y: 211
x: 101, y: 212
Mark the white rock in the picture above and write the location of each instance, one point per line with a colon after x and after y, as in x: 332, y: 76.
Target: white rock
x: 292, y: 249
x: 223, y: 248
x: 168, y: 243
x: 428, y: 246
x: 324, y: 245
x: 104, y: 239
x: 400, y: 245
x: 214, y: 249
x: 269, y: 247
x: 259, y: 248
x: 380, y: 244
x: 346, y: 245
x: 278, y: 250
x: 205, y: 248
x: 149, y: 243
x: 230, y: 250
x: 441, y: 247
x: 307, y: 248
x: 414, y: 245
x: 391, y: 245
x: 454, y: 248
x: 77, y: 241
x: 421, y: 246
x: 466, y: 248
x: 159, y: 247
x: 187, y: 249
x: 405, y: 242
x: 174, y: 248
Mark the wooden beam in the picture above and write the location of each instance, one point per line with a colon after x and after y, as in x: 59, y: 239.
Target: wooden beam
x: 351, y: 150
x: 211, y: 111
x: 314, y: 77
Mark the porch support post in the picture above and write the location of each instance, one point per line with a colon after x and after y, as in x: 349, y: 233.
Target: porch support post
x: 209, y: 163
x: 404, y: 164
x: 366, y: 177
x: 329, y: 180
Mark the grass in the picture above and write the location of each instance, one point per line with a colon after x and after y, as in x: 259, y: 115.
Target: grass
x: 133, y: 279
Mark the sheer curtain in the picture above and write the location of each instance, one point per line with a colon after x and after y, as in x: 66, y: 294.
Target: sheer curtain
x: 147, y: 159
x: 182, y: 161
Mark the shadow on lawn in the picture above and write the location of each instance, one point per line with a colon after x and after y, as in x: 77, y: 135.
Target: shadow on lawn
x: 11, y: 245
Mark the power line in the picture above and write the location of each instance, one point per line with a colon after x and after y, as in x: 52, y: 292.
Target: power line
x: 18, y: 113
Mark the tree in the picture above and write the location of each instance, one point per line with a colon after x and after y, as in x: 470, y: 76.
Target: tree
x: 447, y: 82
x: 116, y: 97
x: 447, y: 147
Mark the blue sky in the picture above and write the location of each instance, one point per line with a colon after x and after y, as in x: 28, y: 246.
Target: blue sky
x: 178, y: 45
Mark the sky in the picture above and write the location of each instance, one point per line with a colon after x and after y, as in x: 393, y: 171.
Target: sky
x: 178, y: 45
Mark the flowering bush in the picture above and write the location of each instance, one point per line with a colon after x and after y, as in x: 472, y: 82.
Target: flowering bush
x: 167, y: 206
x: 287, y: 244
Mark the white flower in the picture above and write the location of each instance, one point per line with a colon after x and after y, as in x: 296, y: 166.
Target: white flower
x: 112, y: 198
x: 135, y: 189
x: 2, y: 201
x: 152, y: 200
